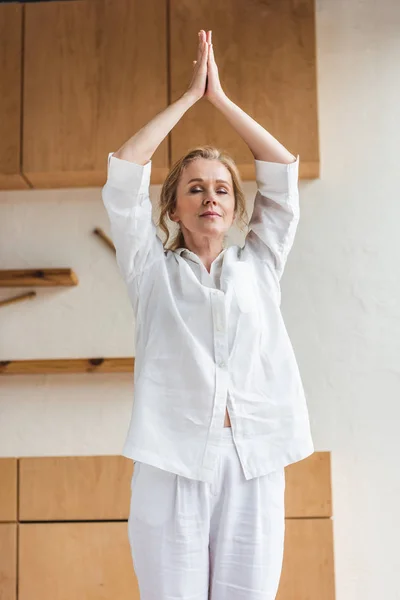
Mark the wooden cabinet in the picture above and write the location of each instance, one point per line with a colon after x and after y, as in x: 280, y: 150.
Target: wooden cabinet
x: 59, y: 561
x: 94, y: 73
x: 10, y: 97
x: 72, y: 529
x: 266, y: 56
x: 86, y: 553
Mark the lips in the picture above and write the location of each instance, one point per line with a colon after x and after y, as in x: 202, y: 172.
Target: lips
x: 210, y: 213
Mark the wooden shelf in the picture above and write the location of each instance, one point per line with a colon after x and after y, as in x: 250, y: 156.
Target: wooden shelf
x: 37, y: 278
x: 68, y: 365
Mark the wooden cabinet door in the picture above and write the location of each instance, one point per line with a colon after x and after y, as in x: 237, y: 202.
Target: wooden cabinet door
x: 61, y: 561
x: 266, y: 56
x: 94, y: 73
x: 308, y: 569
x: 308, y: 487
x: 10, y: 97
x: 74, y: 488
x: 8, y: 561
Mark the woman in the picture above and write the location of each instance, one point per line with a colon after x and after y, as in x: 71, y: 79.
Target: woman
x: 219, y: 407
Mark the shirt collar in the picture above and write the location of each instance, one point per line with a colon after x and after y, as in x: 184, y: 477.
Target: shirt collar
x: 182, y: 250
x: 194, y: 256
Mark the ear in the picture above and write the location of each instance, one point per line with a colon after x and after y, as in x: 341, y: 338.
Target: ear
x: 174, y: 217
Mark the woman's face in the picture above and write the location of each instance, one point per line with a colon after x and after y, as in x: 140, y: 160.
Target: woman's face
x: 205, y: 204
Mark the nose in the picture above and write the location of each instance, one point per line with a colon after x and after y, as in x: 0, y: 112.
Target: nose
x: 210, y: 199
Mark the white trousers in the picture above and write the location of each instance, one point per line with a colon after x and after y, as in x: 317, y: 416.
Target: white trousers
x: 192, y: 540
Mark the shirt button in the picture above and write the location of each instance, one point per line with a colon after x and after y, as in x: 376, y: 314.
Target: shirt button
x: 221, y: 364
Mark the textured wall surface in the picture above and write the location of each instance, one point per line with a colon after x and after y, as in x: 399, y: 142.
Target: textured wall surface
x: 340, y: 301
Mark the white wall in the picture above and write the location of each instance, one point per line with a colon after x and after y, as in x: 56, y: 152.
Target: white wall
x: 340, y: 302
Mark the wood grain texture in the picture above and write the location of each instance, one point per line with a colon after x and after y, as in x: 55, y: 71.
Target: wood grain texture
x: 95, y: 72
x: 8, y: 561
x: 59, y: 561
x: 64, y: 561
x: 19, y: 298
x: 8, y: 490
x: 37, y: 277
x: 308, y: 565
x: 13, y: 181
x: 77, y: 488
x: 308, y: 487
x: 266, y: 54
x: 10, y: 97
x: 67, y: 365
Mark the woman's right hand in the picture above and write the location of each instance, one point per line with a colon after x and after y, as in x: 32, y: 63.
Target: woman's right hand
x: 198, y: 84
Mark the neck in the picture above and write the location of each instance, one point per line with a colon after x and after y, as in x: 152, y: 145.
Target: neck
x: 207, y: 249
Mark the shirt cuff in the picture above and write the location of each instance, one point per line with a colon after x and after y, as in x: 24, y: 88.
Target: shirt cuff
x: 276, y: 177
x: 129, y: 176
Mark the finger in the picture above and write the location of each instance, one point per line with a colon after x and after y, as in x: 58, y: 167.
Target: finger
x: 211, y: 54
x: 209, y: 37
x: 204, y: 56
x: 199, y: 46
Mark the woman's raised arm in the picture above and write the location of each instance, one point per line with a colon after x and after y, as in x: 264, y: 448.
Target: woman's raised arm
x: 276, y: 209
x: 261, y: 143
x: 141, y: 147
x: 126, y: 192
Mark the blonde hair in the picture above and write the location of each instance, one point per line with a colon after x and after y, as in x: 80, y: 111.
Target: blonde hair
x: 170, y: 188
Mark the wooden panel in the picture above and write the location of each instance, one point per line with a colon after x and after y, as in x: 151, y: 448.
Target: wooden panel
x: 8, y: 561
x: 8, y: 489
x: 95, y: 72
x: 75, y: 488
x: 266, y: 56
x: 37, y: 277
x: 64, y: 561
x: 10, y: 97
x: 52, y: 488
x: 308, y: 566
x: 98, y: 555
x: 308, y: 487
x: 67, y: 365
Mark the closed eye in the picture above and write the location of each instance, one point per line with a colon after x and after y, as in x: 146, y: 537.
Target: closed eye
x: 195, y: 190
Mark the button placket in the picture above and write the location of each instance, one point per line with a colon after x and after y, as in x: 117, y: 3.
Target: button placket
x: 222, y: 375
x: 220, y: 350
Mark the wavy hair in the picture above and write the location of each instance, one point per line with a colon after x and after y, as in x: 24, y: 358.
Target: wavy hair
x: 170, y: 187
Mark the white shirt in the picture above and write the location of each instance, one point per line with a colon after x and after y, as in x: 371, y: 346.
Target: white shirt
x: 203, y: 347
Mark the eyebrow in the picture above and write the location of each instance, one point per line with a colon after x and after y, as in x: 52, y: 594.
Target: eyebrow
x: 217, y: 180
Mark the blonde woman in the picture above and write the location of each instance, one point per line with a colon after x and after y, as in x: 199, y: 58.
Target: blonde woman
x: 219, y: 407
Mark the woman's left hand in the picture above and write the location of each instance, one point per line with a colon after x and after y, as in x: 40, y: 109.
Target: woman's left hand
x: 214, y: 89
